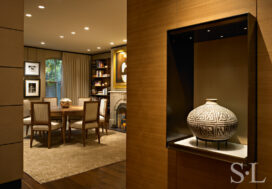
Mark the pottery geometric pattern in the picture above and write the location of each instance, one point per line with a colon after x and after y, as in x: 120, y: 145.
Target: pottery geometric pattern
x: 212, y: 121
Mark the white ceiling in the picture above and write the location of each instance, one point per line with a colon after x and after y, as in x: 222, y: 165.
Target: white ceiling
x: 107, y: 20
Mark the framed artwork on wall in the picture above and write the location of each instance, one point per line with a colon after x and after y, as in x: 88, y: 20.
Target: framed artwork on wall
x: 31, y: 88
x: 32, y: 68
x: 120, y: 69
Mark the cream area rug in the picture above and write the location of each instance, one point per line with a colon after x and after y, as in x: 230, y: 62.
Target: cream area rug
x: 45, y: 165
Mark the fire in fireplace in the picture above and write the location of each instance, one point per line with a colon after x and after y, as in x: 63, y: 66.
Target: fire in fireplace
x: 121, y: 112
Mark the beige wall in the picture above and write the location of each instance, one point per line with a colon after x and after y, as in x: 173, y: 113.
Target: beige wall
x: 149, y: 163
x: 11, y: 96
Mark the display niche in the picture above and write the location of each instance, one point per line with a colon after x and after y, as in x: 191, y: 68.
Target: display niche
x: 213, y: 60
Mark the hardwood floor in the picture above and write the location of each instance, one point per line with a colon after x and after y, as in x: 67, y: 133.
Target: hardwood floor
x: 109, y: 177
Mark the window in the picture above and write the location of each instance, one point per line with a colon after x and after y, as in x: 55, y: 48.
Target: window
x: 53, y: 77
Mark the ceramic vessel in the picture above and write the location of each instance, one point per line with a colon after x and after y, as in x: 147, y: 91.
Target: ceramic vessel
x: 212, y: 121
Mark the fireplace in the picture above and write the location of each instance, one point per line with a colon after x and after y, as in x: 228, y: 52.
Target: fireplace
x: 121, y: 113
x: 118, y: 107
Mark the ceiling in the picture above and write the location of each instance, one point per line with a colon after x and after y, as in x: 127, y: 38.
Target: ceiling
x: 107, y: 20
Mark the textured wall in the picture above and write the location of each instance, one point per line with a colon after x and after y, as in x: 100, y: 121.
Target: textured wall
x: 11, y: 96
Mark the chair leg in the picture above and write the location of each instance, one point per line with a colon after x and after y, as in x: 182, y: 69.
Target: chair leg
x: 70, y: 132
x: 27, y: 127
x: 98, y: 134
x: 31, y: 136
x: 49, y: 139
x: 106, y: 126
x: 83, y: 136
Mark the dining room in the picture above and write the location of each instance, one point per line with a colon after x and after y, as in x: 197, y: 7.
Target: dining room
x: 74, y: 85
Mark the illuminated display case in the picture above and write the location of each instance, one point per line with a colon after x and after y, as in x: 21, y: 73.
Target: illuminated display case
x: 215, y: 59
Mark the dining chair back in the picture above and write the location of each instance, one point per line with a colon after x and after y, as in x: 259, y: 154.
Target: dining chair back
x: 26, y: 108
x: 82, y: 100
x: 103, y: 107
x: 53, y: 101
x: 91, y: 111
x: 40, y: 113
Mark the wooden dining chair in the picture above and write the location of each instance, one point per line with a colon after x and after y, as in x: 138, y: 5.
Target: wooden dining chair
x: 41, y: 120
x: 103, y: 116
x: 89, y: 121
x: 27, y: 117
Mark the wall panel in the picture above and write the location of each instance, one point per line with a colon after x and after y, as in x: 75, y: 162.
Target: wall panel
x: 11, y: 129
x: 148, y: 159
x: 11, y: 95
x: 264, y: 92
x: 12, y: 41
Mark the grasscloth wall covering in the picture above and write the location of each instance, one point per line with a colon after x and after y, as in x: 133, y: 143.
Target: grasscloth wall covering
x: 149, y: 163
x: 11, y: 96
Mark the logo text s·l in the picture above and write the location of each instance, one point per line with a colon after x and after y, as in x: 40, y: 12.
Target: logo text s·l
x: 241, y: 175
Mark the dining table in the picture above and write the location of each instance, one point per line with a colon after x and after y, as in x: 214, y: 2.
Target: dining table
x: 64, y: 113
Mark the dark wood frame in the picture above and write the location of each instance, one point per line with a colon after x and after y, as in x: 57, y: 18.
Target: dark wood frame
x: 33, y: 122
x: 25, y: 88
x: 35, y: 63
x: 186, y: 99
x: 83, y: 130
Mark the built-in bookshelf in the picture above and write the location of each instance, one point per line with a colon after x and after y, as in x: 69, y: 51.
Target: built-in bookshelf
x: 100, y: 79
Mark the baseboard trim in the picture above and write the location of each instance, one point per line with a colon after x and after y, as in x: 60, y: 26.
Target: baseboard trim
x: 13, y: 184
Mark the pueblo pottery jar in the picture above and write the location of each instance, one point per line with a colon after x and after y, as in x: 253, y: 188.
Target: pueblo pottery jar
x: 212, y: 122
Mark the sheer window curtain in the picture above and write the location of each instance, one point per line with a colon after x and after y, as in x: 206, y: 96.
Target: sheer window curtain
x: 75, y: 76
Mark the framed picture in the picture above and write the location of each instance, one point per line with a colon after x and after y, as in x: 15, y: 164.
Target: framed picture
x: 120, y: 69
x: 32, y: 68
x: 31, y: 88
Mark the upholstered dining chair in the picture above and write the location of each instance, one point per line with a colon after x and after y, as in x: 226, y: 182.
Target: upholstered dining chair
x: 27, y: 117
x: 53, y: 104
x: 103, y: 114
x: 80, y: 102
x: 53, y: 101
x: 89, y: 121
x: 41, y: 121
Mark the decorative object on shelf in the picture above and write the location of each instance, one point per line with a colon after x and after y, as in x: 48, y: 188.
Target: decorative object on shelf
x: 31, y: 88
x: 120, y: 69
x: 65, y: 102
x: 94, y: 91
x: 32, y: 68
x: 212, y: 122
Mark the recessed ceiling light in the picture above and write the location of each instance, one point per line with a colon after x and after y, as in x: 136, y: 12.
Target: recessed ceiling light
x: 221, y: 36
x: 124, y: 40
x: 41, y: 7
x: 111, y: 43
x: 43, y: 43
x: 98, y: 47
x: 61, y: 36
x: 86, y: 28
x: 88, y: 50
x: 73, y: 33
x: 208, y: 30
x: 28, y: 15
